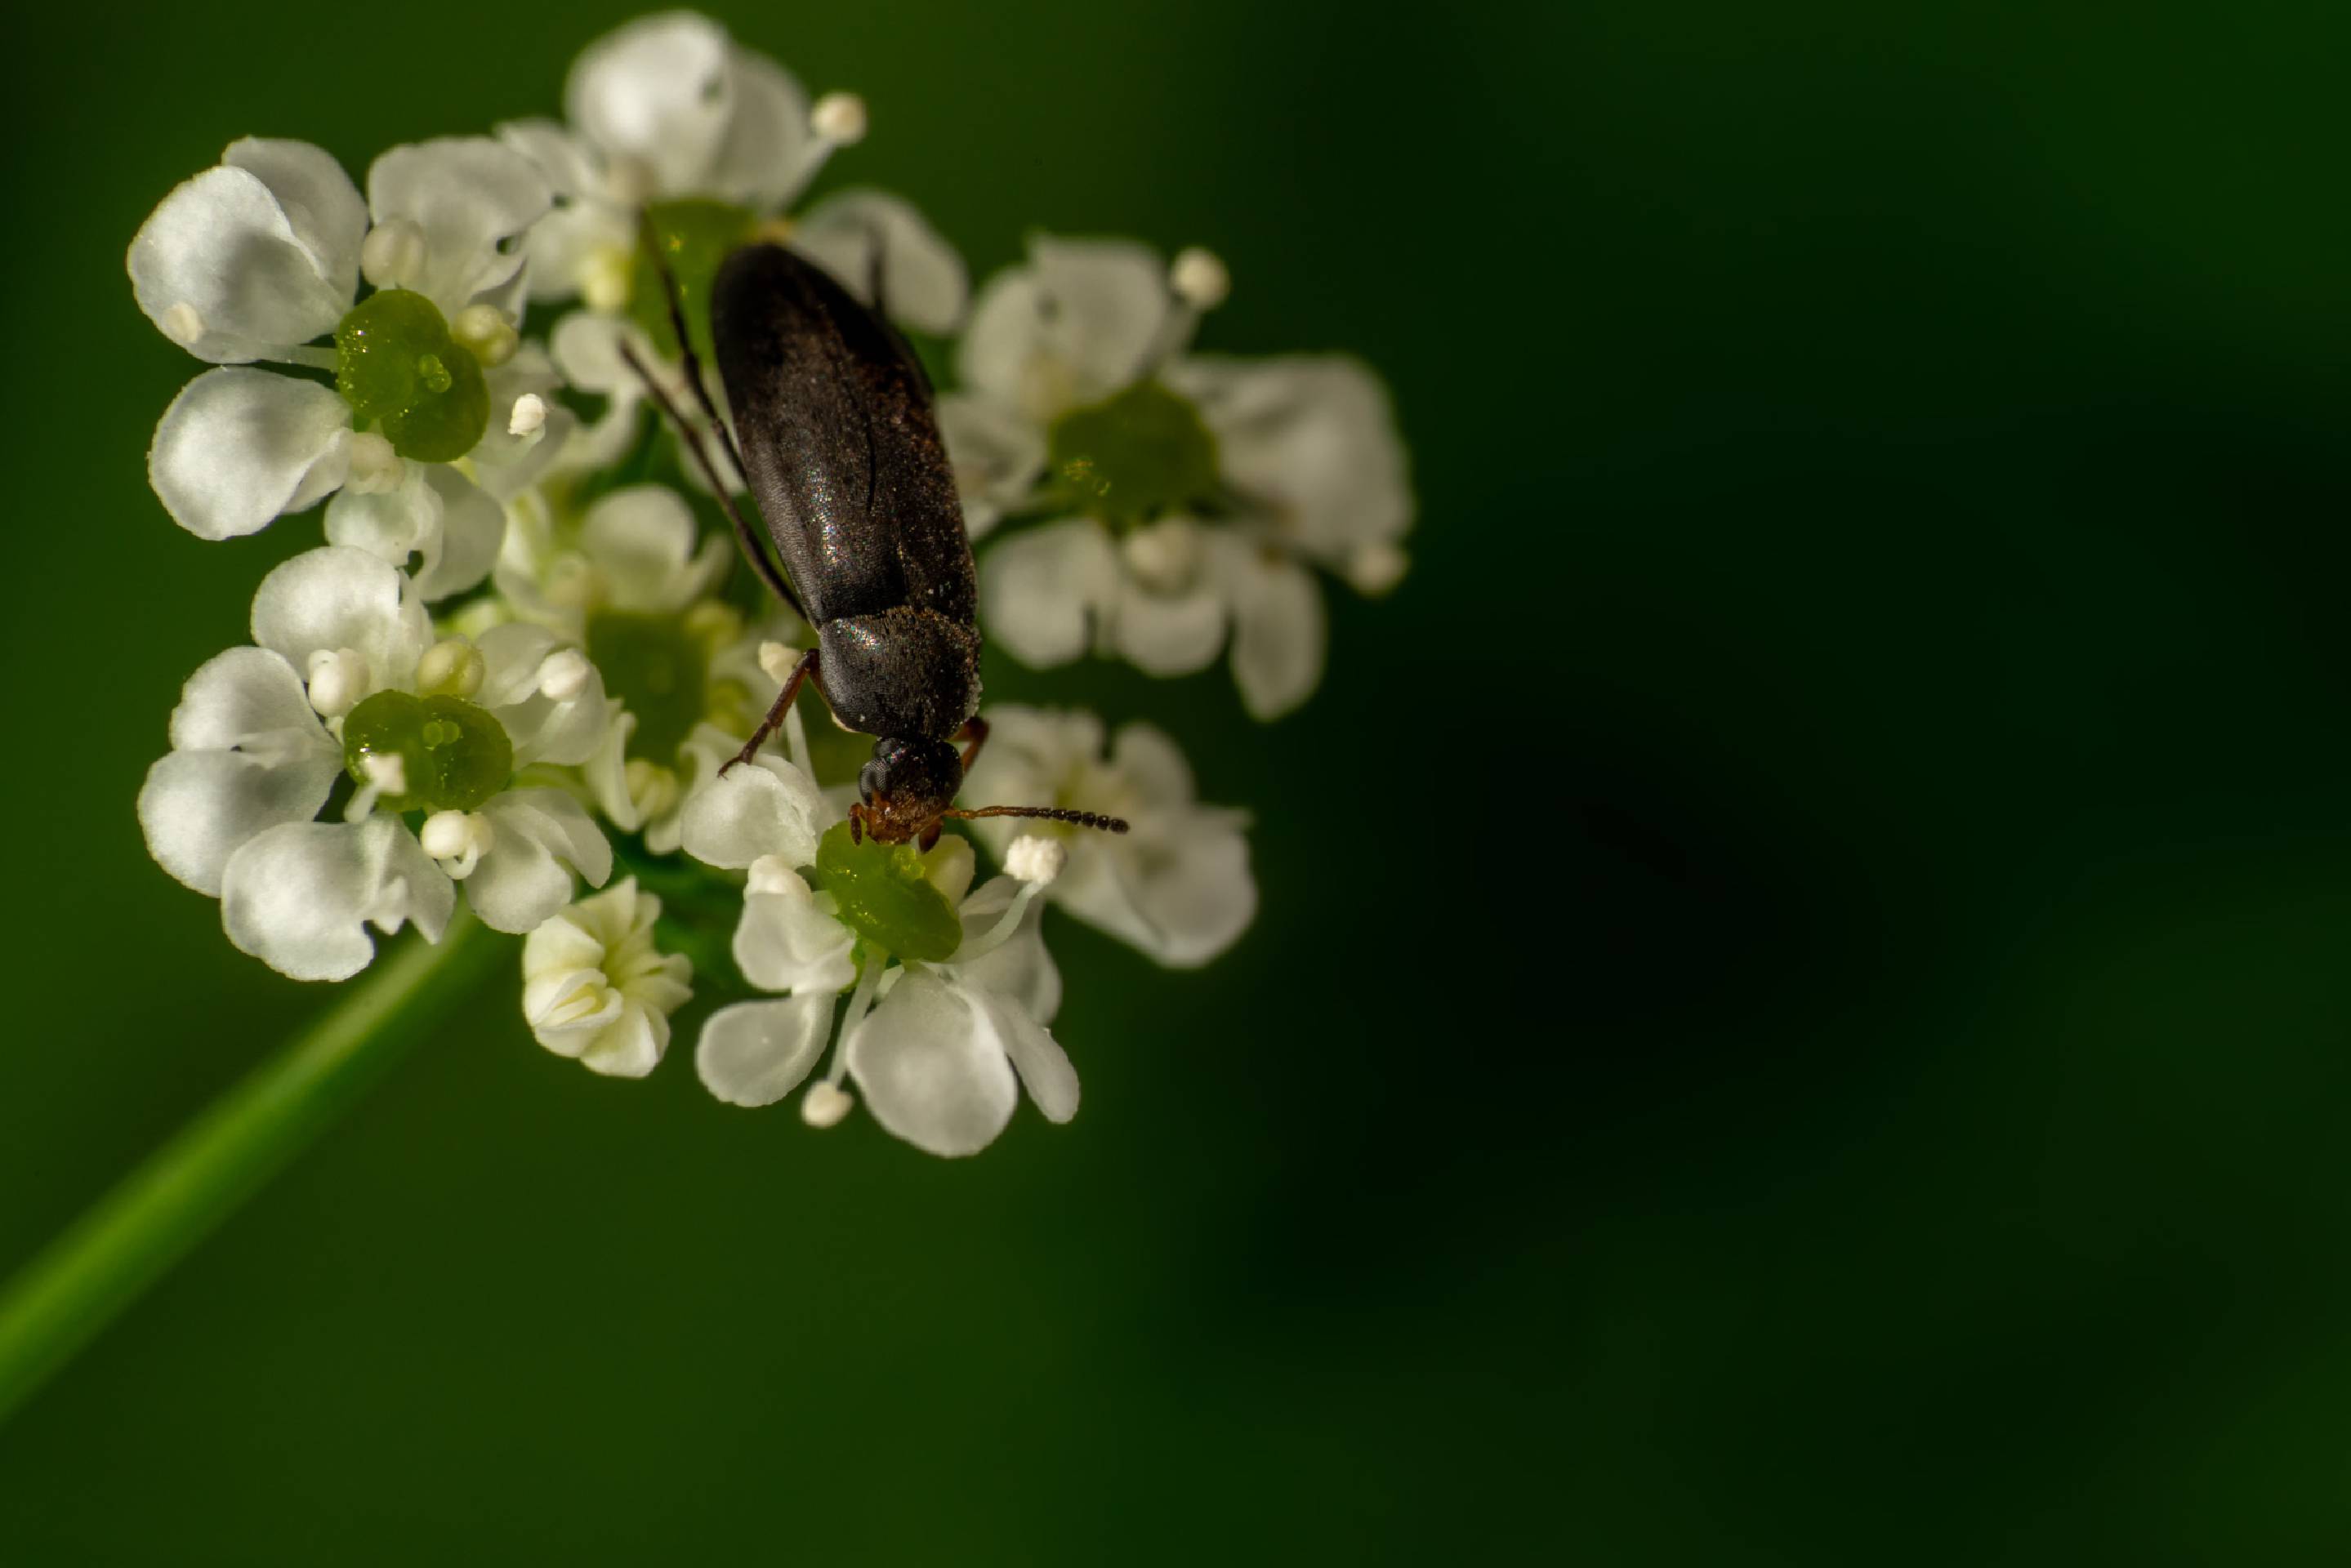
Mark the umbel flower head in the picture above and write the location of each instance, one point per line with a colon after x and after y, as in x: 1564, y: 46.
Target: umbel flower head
x: 524, y: 658
x: 1178, y: 503
x: 259, y: 258
x: 346, y: 681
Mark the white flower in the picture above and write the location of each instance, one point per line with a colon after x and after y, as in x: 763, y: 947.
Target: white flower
x: 259, y: 738
x: 596, y: 988
x: 257, y: 258
x: 632, y: 582
x: 1176, y: 886
x: 940, y: 1050
x: 1203, y: 489
x: 669, y: 107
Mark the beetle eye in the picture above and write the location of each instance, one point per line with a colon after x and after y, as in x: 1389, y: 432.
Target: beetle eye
x: 872, y: 779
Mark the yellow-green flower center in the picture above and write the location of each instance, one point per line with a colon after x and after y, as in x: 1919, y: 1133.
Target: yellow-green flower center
x: 1135, y: 455
x: 696, y: 238
x: 395, y: 363
x: 451, y: 754
x: 885, y: 894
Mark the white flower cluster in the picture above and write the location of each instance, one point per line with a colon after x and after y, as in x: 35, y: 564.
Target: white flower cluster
x: 522, y: 655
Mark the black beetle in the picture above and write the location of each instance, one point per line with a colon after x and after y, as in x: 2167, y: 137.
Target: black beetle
x: 836, y: 435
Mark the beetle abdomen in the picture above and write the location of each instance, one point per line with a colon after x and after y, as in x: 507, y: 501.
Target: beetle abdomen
x: 833, y: 416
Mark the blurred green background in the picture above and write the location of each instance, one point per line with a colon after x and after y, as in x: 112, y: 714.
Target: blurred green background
x: 1799, y: 1016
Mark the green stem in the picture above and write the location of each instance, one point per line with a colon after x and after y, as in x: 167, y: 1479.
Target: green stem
x: 60, y: 1300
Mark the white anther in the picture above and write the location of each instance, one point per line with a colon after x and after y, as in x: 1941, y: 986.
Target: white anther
x: 1035, y: 860
x: 375, y: 467
x: 339, y: 679
x: 825, y: 1103
x: 563, y: 674
x: 1375, y: 569
x: 840, y: 118
x: 774, y: 874
x: 451, y: 668
x: 529, y: 415
x: 779, y: 660
x: 484, y: 330
x: 1200, y: 279
x: 1163, y: 555
x: 184, y: 324
x: 392, y: 254
x: 458, y: 839
x: 387, y: 772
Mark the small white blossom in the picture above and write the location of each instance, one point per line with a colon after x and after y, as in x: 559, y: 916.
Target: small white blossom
x: 597, y: 989
x: 255, y: 752
x: 939, y: 1051
x: 669, y: 107
x: 1177, y: 885
x: 1307, y: 472
x: 256, y: 259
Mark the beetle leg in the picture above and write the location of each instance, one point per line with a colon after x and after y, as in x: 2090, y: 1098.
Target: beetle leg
x: 768, y: 572
x: 687, y: 359
x: 974, y: 730
x: 775, y: 711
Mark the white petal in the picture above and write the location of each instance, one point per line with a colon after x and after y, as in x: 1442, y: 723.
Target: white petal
x: 631, y: 1045
x: 1044, y: 1067
x: 785, y: 943
x: 1154, y: 766
x: 762, y: 160
x: 544, y: 730
x: 238, y: 448
x: 1021, y: 970
x: 931, y: 1068
x: 472, y: 198
x: 921, y: 277
x: 1080, y: 321
x: 1169, y: 634
x: 198, y: 808
x: 643, y: 541
x: 567, y: 164
x: 335, y: 598
x: 756, y: 1052
x: 764, y: 807
x: 319, y: 202
x: 1311, y: 441
x: 223, y: 246
x: 240, y: 695
x: 657, y: 92
x: 1279, y: 634
x: 437, y: 514
x: 997, y: 455
x: 1046, y: 591
x: 1028, y: 752
x: 571, y: 241
x: 301, y: 897
x: 523, y: 881
x: 1179, y: 891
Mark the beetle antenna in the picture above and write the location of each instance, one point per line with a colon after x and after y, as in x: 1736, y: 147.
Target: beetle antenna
x: 768, y: 572
x: 650, y: 237
x: 1049, y: 812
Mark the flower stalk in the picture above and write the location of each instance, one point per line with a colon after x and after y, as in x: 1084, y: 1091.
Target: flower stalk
x: 69, y: 1291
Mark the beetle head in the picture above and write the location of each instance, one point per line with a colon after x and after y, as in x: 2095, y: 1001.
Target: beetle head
x: 905, y: 789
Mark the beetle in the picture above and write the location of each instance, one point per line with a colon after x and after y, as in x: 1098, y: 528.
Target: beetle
x: 836, y: 434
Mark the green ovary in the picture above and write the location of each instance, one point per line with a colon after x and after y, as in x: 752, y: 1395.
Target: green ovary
x: 454, y: 755
x: 396, y: 363
x: 696, y: 238
x: 884, y: 894
x: 660, y: 671
x: 1135, y: 455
